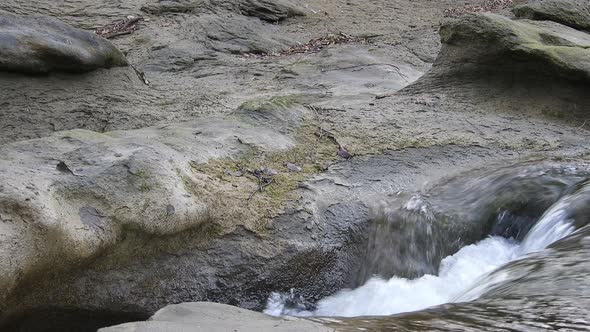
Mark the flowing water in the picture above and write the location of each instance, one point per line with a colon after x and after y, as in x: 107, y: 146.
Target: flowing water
x: 528, y: 271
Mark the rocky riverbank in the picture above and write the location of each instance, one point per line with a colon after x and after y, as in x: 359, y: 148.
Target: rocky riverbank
x: 235, y: 148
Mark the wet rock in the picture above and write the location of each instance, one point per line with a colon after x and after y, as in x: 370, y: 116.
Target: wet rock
x: 213, y: 317
x: 409, y: 235
x: 42, y: 44
x: 573, y: 13
x: 548, y: 283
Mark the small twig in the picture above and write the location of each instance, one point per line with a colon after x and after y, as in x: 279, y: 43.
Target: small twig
x: 260, y: 188
x: 141, y: 75
x: 252, y: 195
x: 118, y: 28
x: 315, y: 112
x: 342, y: 152
x: 313, y: 46
x: 385, y: 95
x: 264, y: 180
x: 583, y: 124
x: 320, y: 134
x: 117, y: 34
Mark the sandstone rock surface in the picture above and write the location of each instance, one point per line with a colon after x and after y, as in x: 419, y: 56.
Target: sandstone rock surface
x: 125, y: 196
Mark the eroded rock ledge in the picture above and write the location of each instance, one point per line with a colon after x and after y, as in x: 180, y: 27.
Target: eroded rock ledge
x: 486, y: 43
x: 513, y: 64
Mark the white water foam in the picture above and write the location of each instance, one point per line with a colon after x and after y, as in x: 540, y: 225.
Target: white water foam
x: 553, y: 226
x: 385, y: 297
x: 461, y: 276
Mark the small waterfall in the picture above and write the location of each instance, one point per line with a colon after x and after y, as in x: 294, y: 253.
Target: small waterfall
x: 396, y: 295
x: 463, y: 276
x: 554, y: 225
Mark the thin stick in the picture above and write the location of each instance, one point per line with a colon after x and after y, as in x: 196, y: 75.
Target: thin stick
x: 260, y: 188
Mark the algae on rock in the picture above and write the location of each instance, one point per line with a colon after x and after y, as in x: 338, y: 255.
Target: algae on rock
x: 240, y: 199
x: 504, y: 44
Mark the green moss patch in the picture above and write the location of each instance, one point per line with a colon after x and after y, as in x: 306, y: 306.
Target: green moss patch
x: 237, y: 200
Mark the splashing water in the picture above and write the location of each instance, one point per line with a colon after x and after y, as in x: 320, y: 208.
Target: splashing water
x: 553, y: 226
x: 384, y: 297
x: 461, y: 276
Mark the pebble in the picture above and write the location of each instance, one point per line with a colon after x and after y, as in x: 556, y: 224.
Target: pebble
x: 293, y: 168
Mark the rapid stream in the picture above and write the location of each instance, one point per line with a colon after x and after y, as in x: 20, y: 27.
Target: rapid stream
x: 520, y: 243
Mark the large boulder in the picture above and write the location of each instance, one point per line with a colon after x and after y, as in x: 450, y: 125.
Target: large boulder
x: 126, y: 209
x: 493, y: 43
x: 43, y: 44
x: 520, y: 65
x: 60, y: 198
x: 573, y: 13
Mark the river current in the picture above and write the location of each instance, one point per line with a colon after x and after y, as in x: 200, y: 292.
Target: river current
x: 490, y: 272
